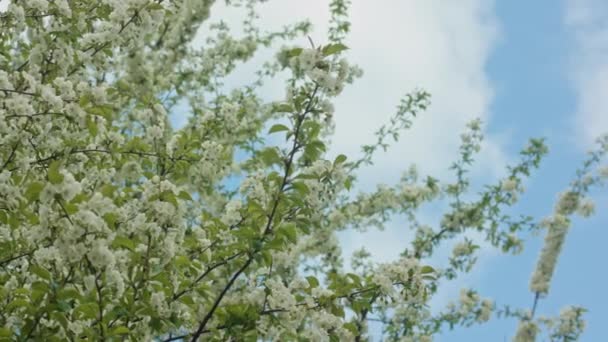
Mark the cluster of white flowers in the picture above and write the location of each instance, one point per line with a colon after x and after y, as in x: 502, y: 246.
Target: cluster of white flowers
x: 384, y: 282
x: 511, y: 186
x: 47, y: 256
x: 467, y: 216
x: 115, y: 278
x: 101, y: 256
x: 470, y: 308
x: 298, y: 283
x: 603, y: 172
x: 280, y: 296
x: 65, y: 88
x: 67, y: 189
x: 78, y: 327
x: 229, y: 113
x: 154, y: 132
x: 131, y: 171
x: 48, y: 94
x: 321, y: 292
x: 570, y: 324
x: 557, y: 229
x: 5, y: 83
x: 159, y: 302
x: 210, y: 166
x: 10, y: 195
x: 568, y: 203
x: 323, y: 190
x: 485, y: 310
x: 171, y: 146
x: 253, y: 187
x: 232, y: 214
x: 526, y: 331
x: 330, y: 75
x: 586, y: 207
x: 462, y: 248
x: 401, y: 272
x: 468, y: 300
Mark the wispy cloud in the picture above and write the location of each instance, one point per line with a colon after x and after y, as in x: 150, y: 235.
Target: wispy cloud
x: 588, y: 22
x: 439, y: 46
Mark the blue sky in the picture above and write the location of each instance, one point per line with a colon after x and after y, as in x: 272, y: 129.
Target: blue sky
x: 531, y: 68
x: 528, y: 69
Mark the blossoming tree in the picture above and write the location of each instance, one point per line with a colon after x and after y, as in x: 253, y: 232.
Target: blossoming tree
x: 116, y: 226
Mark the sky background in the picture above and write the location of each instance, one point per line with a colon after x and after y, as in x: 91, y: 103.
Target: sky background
x: 528, y: 69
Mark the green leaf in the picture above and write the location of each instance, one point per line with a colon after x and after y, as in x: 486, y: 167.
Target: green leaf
x: 55, y: 177
x: 181, y: 261
x: 92, y: 125
x: 289, y: 231
x: 355, y: 278
x: 104, y: 111
x: 352, y: 327
x: 186, y: 300
x: 152, y: 7
x: 33, y: 191
x: 360, y: 305
x: 294, y: 52
x: 282, y: 108
x: 340, y: 159
x: 14, y: 220
x: 68, y: 294
x: 426, y: 269
x: 337, y: 310
x: 267, y: 257
x: 63, y: 306
x: 60, y: 317
x: 270, y: 156
x: 332, y: 49
x: 184, y: 195
x: 87, y: 310
x: 108, y: 190
x: 120, y: 331
x: 348, y: 183
x: 5, y: 332
x: 278, y: 128
x: 169, y: 196
x: 110, y: 219
x: 21, y: 292
x: 71, y: 208
x: 121, y: 241
x: 84, y: 100
x: 277, y: 243
x: 40, y: 286
x: 17, y: 303
x: 312, y: 281
x: 41, y: 272
x: 301, y: 188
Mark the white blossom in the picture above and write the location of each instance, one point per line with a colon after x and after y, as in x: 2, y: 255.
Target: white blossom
x: 586, y: 208
x: 526, y: 331
x: 231, y: 215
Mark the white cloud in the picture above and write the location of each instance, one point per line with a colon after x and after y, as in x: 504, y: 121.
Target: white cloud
x: 588, y: 22
x: 439, y: 46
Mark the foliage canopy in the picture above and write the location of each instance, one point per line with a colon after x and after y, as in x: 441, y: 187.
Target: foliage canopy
x: 116, y: 226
